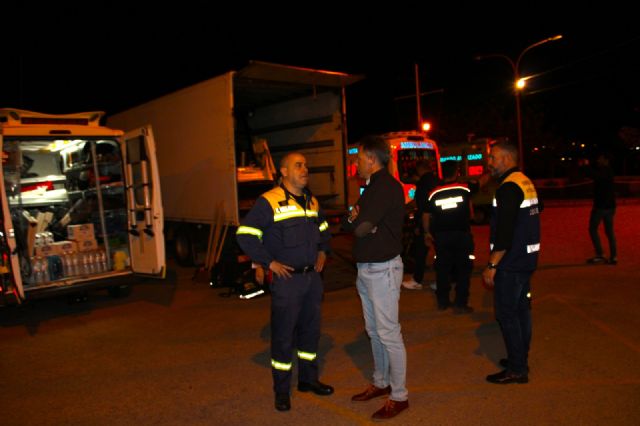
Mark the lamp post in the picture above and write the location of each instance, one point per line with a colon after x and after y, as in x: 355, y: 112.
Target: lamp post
x: 519, y: 84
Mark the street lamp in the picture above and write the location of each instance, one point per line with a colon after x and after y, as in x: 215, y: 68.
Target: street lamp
x: 519, y: 84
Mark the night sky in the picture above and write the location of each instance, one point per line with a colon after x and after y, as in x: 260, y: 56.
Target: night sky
x: 71, y: 58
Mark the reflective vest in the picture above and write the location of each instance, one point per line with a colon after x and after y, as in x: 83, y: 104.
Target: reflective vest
x: 278, y: 228
x: 523, y: 254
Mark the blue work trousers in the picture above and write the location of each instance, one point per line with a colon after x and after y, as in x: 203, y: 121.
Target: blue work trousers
x: 295, y: 320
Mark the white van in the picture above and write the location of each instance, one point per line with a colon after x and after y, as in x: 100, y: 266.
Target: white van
x: 81, y: 205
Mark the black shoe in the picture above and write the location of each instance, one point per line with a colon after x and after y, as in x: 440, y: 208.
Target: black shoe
x: 613, y: 261
x: 504, y: 362
x: 283, y: 402
x: 315, y: 387
x: 506, y: 377
x: 462, y: 310
x: 597, y: 260
x: 443, y: 306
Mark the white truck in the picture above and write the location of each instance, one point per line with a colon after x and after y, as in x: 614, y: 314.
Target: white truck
x: 214, y: 140
x: 80, y: 205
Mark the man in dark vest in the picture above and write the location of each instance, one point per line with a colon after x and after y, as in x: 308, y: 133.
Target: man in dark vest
x: 515, y: 244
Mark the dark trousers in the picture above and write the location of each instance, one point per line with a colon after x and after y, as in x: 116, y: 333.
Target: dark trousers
x: 452, y: 260
x: 295, y: 319
x: 420, y: 259
x: 606, y: 216
x: 513, y: 312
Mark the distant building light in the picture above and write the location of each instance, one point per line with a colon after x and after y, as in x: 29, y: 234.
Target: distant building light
x: 562, y: 159
x: 535, y: 148
x: 581, y: 145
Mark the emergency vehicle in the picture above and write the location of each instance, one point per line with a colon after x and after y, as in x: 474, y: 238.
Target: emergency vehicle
x: 473, y: 157
x: 80, y: 205
x: 407, y: 149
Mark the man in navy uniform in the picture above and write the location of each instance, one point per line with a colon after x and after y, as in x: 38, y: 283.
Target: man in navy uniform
x: 515, y: 244
x: 446, y: 223
x: 286, y: 232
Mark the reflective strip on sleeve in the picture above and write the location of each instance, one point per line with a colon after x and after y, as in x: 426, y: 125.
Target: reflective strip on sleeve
x: 490, y: 246
x: 324, y: 226
x: 532, y: 248
x: 281, y: 365
x: 247, y: 230
x: 306, y: 356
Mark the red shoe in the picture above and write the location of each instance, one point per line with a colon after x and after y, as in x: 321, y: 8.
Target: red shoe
x: 391, y: 409
x: 371, y: 392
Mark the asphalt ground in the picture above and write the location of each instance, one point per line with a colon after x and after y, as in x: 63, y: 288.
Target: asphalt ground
x: 178, y: 353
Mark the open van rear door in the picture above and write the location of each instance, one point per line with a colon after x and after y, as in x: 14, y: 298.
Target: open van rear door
x: 8, y: 243
x: 145, y: 217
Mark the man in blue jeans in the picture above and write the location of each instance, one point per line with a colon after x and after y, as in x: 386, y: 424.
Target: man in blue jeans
x: 515, y: 244
x: 376, y: 221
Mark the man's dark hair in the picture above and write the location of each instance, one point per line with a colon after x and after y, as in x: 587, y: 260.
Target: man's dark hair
x: 449, y: 169
x: 509, y: 147
x: 376, y: 146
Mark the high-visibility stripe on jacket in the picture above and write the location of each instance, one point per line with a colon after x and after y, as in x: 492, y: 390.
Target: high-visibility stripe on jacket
x: 278, y: 228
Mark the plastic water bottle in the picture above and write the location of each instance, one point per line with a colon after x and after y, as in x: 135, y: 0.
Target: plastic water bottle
x: 75, y: 266
x: 44, y: 266
x: 91, y: 263
x: 103, y: 261
x: 36, y: 271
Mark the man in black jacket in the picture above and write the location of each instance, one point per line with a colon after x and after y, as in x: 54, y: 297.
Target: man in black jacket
x: 376, y: 220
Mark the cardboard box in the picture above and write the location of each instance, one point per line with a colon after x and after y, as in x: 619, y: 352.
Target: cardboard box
x: 81, y: 232
x: 87, y: 245
x: 58, y: 248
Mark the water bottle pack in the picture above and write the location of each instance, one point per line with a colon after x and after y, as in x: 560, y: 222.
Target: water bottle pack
x: 69, y: 264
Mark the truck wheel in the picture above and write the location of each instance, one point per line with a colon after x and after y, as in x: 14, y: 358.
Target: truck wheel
x: 183, y: 247
x: 119, y: 291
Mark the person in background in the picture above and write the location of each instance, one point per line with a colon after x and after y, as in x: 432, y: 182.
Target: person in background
x: 286, y: 232
x: 515, y: 244
x: 604, y: 210
x: 427, y: 181
x: 447, y: 219
x: 376, y: 221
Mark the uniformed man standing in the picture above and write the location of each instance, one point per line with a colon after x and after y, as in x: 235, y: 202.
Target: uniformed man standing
x: 446, y: 223
x: 285, y: 231
x: 515, y: 244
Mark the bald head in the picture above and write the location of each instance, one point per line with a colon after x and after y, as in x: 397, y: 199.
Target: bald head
x: 295, y: 175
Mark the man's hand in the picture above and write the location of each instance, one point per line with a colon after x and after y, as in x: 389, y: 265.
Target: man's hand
x: 353, y: 214
x: 322, y: 258
x: 280, y: 269
x: 487, y: 278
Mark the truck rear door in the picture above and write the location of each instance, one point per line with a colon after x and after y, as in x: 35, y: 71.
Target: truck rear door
x: 8, y: 239
x: 144, y: 202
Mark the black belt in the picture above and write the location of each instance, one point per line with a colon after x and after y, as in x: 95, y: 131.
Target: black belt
x: 304, y: 269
